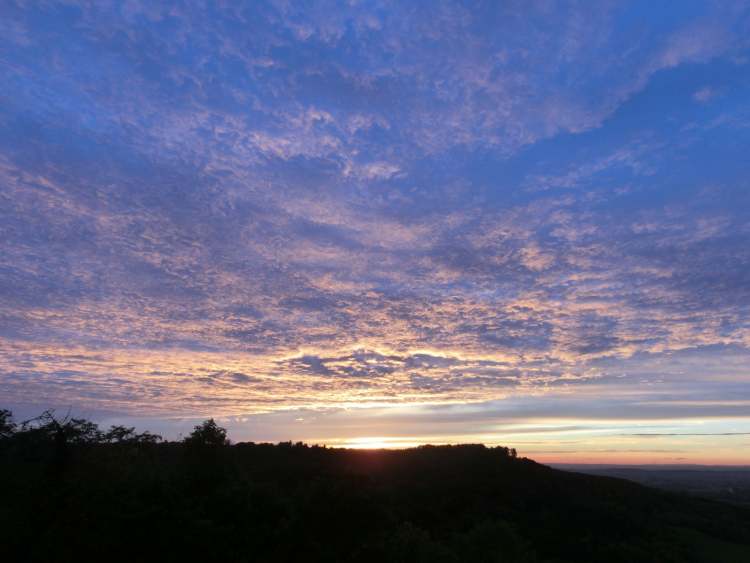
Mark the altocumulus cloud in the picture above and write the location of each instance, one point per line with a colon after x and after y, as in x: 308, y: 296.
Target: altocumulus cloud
x: 254, y: 207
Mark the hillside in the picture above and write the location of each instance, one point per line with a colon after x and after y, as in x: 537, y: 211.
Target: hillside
x: 137, y: 499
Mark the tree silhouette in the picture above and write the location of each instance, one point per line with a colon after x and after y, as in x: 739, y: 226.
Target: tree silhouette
x: 118, y: 434
x: 7, y: 426
x: 207, y: 434
x: 66, y: 430
x: 204, y: 455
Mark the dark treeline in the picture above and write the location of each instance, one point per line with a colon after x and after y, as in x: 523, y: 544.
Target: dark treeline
x: 71, y: 491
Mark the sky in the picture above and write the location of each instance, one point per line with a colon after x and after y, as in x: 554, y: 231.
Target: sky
x: 382, y: 224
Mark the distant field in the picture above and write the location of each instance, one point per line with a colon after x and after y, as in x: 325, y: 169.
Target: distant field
x: 725, y: 483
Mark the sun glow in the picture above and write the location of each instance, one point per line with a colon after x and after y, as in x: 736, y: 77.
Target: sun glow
x: 374, y: 443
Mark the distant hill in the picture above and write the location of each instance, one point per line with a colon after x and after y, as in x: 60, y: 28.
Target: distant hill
x: 725, y: 483
x: 203, y: 500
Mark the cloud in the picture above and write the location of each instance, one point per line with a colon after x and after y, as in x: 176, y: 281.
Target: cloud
x: 258, y: 208
x: 704, y: 95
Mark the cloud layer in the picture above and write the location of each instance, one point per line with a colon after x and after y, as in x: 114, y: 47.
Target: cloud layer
x: 255, y: 207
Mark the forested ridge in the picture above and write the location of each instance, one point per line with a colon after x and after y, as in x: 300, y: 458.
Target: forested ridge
x: 74, y: 492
